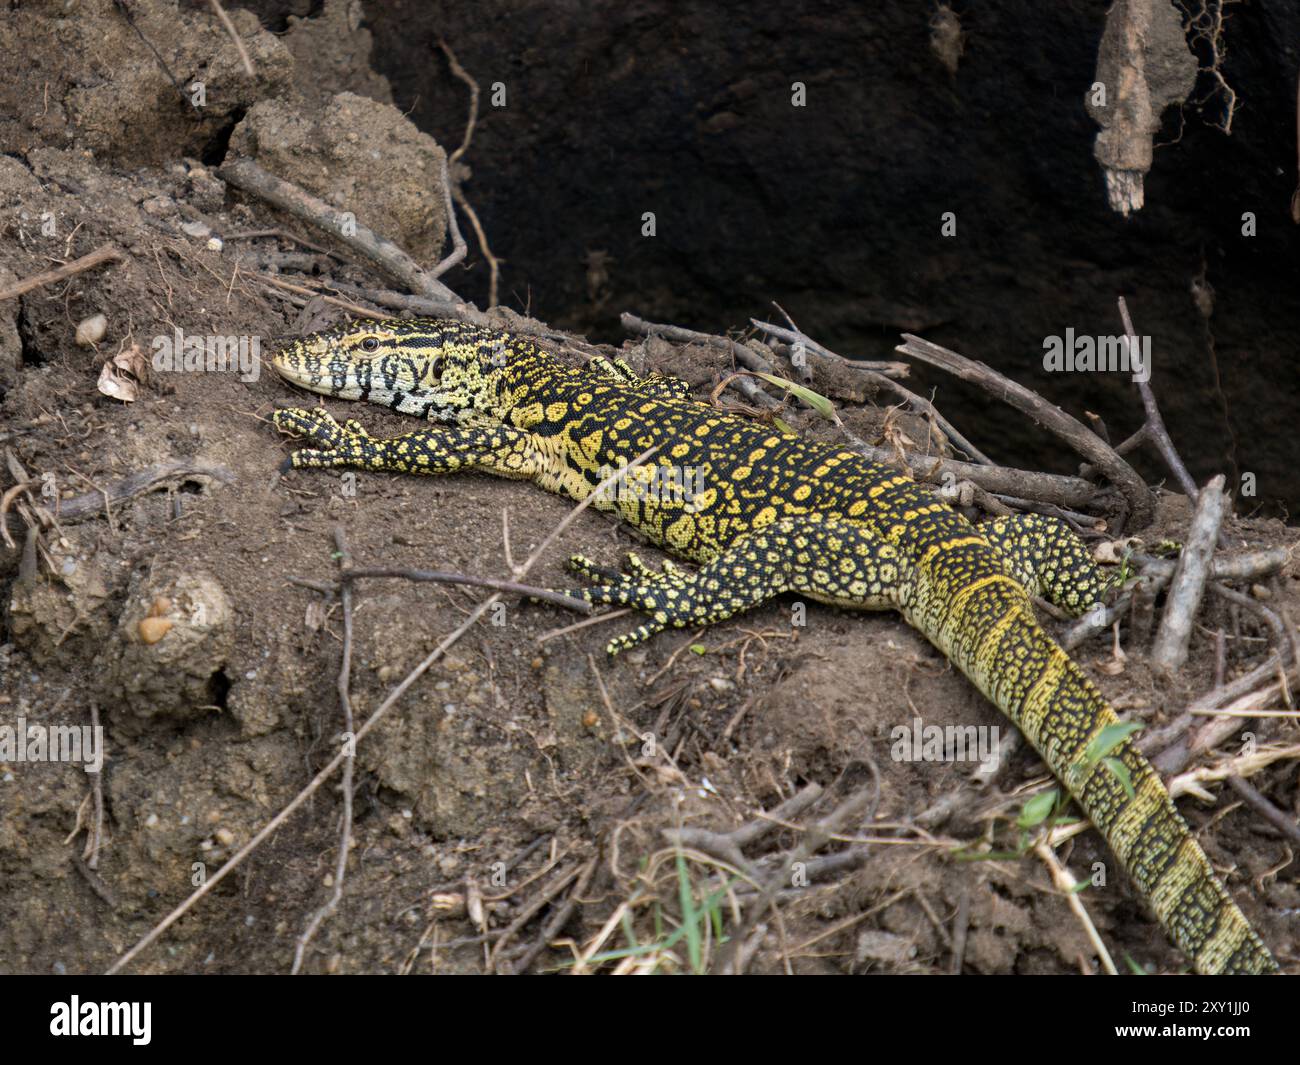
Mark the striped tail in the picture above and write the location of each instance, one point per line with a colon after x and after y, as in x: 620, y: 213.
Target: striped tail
x: 987, y: 628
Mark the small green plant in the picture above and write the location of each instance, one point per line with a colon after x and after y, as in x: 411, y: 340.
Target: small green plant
x: 1047, y: 807
x: 702, y: 920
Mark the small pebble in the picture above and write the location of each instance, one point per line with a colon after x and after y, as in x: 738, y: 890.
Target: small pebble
x: 90, y: 331
x: 154, y: 629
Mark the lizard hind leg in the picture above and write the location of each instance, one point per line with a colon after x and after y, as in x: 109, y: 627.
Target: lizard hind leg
x: 1046, y: 556
x: 791, y: 555
x: 619, y: 371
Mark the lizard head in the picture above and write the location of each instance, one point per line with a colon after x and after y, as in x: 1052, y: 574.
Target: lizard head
x: 433, y: 368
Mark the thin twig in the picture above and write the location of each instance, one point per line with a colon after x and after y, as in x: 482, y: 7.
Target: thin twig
x: 855, y: 809
x: 349, y: 764
x: 1068, y: 887
x: 793, y: 335
x: 581, y: 606
x: 306, y: 793
x: 105, y: 254
x: 879, y: 374
x: 96, y: 833
x: 395, y: 300
x: 457, y: 180
x: 283, y: 234
x: 247, y: 175
x: 1082, y: 439
x: 1275, y: 817
x: 465, y: 76
x: 1154, y: 426
x: 453, y: 227
x: 234, y: 36
x: 90, y: 504
x: 1169, y: 652
x: 494, y: 264
x: 746, y: 356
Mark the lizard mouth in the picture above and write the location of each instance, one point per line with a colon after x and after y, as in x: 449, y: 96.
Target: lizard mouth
x: 317, y: 366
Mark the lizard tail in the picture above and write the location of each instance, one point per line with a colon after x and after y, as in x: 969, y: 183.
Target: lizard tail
x: 995, y: 640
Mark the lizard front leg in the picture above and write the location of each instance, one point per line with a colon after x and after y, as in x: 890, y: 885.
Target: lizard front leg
x: 503, y: 451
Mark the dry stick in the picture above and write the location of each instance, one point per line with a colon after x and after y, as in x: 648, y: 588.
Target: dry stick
x: 350, y: 750
x: 1059, y: 489
x: 89, y: 504
x: 457, y: 241
x: 1239, y: 566
x: 715, y: 844
x: 1243, y: 566
x: 465, y: 76
x: 727, y: 845
x: 301, y: 262
x: 747, y: 357
x: 960, y: 930
x: 743, y: 354
x: 1076, y: 434
x: 1242, y: 600
x: 458, y: 193
x: 581, y: 606
x: 518, y: 963
x: 532, y: 908
x: 306, y: 793
x: 854, y: 808
x: 598, y: 619
x: 1284, y: 824
x: 34, y: 517
x: 234, y: 35
x: 797, y: 346
x: 395, y: 300
x: 1154, y: 426
x: 875, y: 373
x: 381, y: 711
x: 794, y: 335
x: 1242, y: 697
x: 351, y: 308
x: 105, y: 254
x: 247, y: 175
x: 1069, y: 889
x: 770, y: 821
x: 1169, y: 652
x: 1168, y: 740
x: 282, y: 234
x: 494, y: 264
x: 5, y: 501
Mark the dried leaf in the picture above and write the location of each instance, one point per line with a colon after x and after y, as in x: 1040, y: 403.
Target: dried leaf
x: 120, y: 377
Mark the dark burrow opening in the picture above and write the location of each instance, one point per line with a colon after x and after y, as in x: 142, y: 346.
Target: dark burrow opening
x: 594, y: 115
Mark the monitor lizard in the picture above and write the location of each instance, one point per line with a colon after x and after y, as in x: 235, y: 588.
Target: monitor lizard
x: 773, y: 513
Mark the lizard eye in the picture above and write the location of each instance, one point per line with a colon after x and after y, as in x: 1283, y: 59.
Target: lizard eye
x: 435, y: 369
x: 370, y: 344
